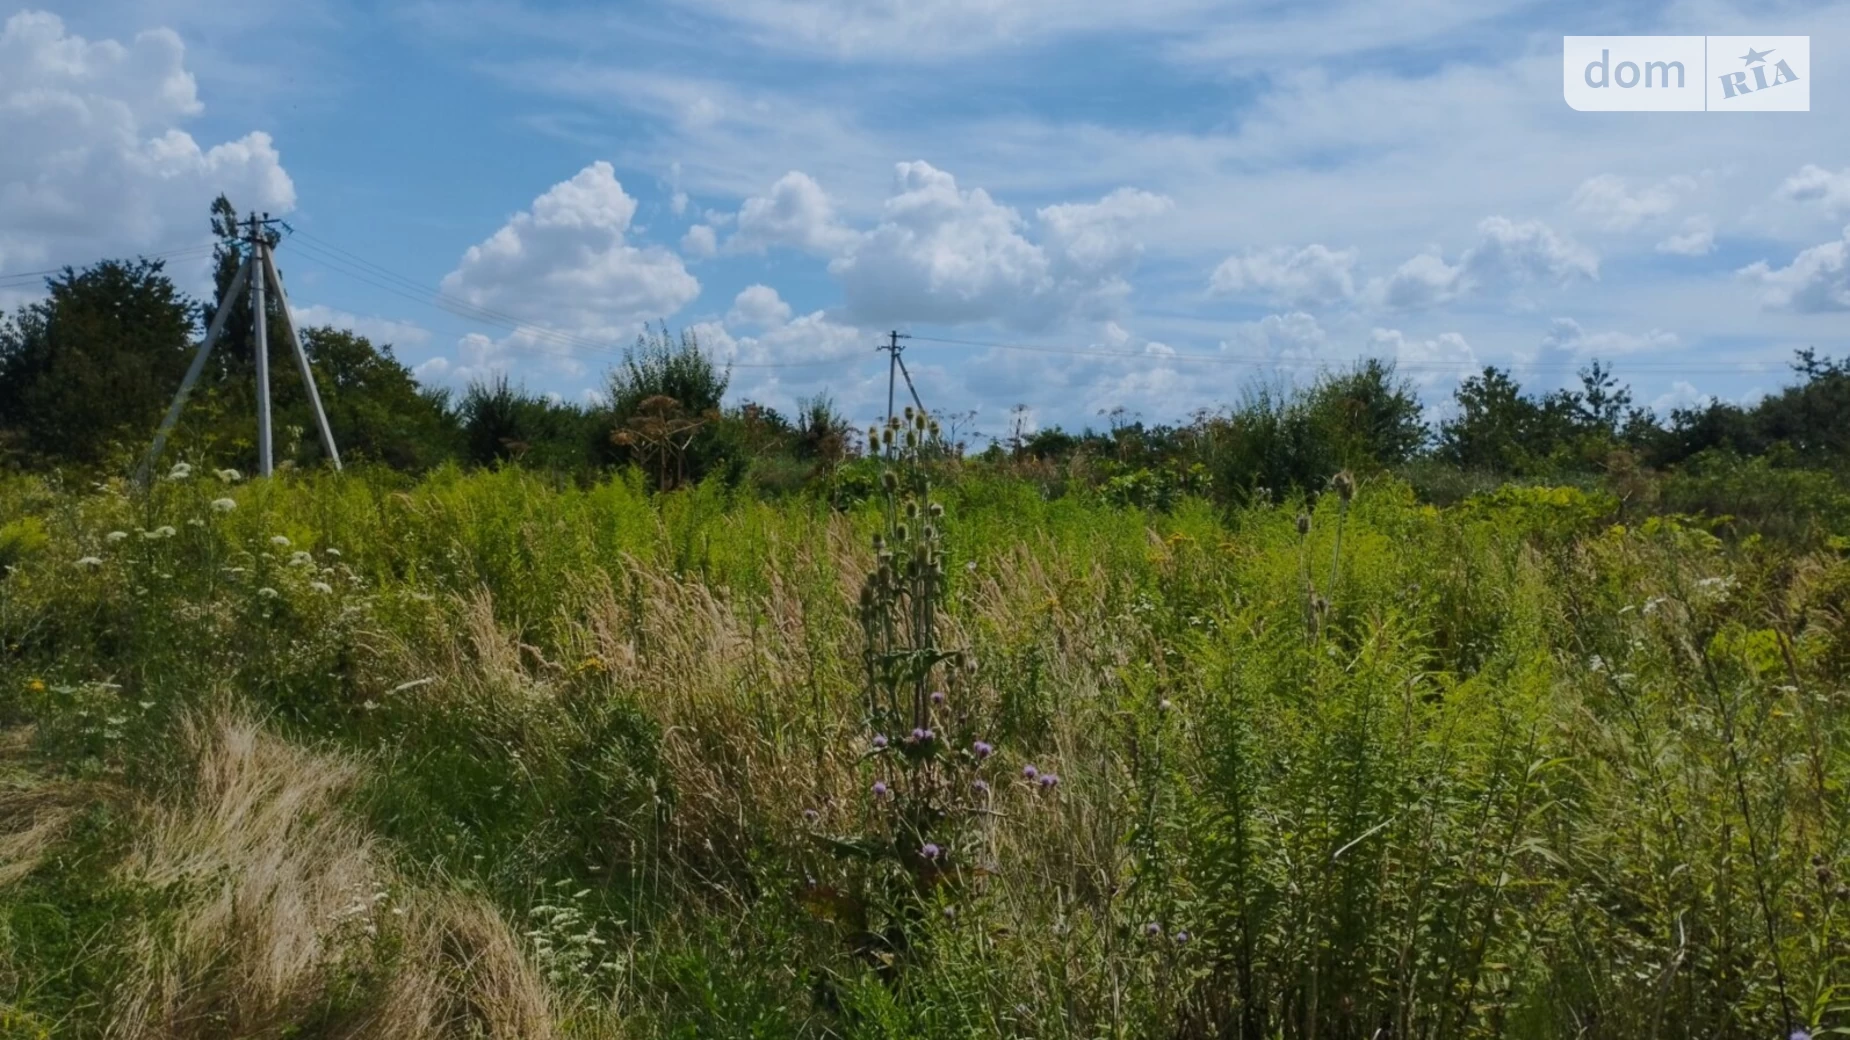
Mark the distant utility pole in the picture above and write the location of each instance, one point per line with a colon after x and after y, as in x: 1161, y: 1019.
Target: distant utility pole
x: 258, y: 271
x: 896, y: 367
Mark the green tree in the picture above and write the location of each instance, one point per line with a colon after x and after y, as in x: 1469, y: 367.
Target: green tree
x: 86, y: 372
x: 665, y: 409
x: 374, y: 405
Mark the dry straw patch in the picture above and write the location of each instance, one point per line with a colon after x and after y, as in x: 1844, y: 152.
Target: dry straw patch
x: 279, y: 897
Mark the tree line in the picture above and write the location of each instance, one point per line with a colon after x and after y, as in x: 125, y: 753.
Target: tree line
x: 87, y: 371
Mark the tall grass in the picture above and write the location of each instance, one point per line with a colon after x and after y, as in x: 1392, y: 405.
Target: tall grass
x: 1516, y: 772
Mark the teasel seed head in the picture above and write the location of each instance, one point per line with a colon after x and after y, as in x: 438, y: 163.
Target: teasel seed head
x: 889, y: 480
x: 1344, y: 483
x: 1303, y: 524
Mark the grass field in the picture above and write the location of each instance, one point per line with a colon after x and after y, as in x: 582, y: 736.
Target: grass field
x: 478, y: 754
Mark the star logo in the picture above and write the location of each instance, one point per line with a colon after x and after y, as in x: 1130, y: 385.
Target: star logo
x: 1754, y: 57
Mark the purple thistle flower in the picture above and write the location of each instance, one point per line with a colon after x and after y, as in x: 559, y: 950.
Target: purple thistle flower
x: 1028, y: 772
x: 937, y: 697
x: 930, y: 851
x: 918, y: 734
x: 811, y: 815
x: 980, y: 787
x: 1152, y: 929
x: 1049, y: 781
x: 981, y: 749
x: 1181, y: 937
x: 1800, y: 1034
x: 928, y: 735
x: 879, y: 740
x: 880, y: 790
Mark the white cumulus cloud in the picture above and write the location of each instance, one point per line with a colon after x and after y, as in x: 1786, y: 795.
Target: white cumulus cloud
x: 1445, y: 357
x: 1506, y: 252
x: 1816, y: 280
x: 381, y: 331
x: 93, y: 157
x: 1614, y: 204
x: 942, y: 253
x: 1696, y: 239
x: 1565, y: 335
x: 565, y: 262
x: 758, y: 306
x: 1293, y: 338
x: 1830, y: 189
x: 797, y: 213
x: 1311, y: 276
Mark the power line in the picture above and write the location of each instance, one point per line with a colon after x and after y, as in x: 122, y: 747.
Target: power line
x: 1742, y: 367
x: 183, y: 252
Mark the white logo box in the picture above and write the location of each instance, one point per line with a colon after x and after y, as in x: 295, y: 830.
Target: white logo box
x: 1686, y: 73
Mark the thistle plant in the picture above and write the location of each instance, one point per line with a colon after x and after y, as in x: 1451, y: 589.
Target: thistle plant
x: 925, y: 754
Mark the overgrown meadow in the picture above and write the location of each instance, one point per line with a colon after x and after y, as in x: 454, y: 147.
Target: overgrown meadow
x: 478, y: 754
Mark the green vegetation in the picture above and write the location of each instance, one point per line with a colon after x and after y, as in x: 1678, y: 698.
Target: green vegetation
x: 487, y: 754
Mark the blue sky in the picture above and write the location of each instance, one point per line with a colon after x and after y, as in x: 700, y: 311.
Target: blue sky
x: 1169, y: 200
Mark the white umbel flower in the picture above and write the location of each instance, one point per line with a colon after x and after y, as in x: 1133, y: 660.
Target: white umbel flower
x: 223, y: 505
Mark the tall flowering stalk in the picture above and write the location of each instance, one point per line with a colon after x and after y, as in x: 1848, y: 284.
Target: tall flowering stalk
x: 924, y: 750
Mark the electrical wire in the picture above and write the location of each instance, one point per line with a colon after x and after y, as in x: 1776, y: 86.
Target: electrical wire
x: 1737, y: 368
x: 180, y: 253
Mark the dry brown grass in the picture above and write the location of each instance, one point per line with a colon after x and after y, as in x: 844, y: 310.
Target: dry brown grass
x: 34, y: 812
x: 282, y: 912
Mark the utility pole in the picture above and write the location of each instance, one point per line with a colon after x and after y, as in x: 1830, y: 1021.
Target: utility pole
x: 258, y: 271
x: 260, y: 318
x: 893, y: 348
